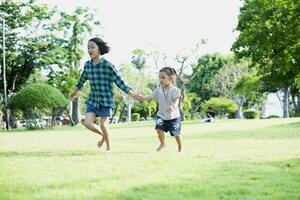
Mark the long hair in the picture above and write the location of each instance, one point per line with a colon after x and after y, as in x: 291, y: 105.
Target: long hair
x: 103, y: 47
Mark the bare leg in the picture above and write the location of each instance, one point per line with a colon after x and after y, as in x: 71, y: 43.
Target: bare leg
x: 104, y: 128
x: 89, y: 123
x: 179, y: 142
x: 161, y: 137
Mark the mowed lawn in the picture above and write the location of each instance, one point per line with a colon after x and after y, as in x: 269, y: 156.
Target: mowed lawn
x: 234, y: 159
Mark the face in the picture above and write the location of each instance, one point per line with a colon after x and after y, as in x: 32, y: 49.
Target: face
x: 93, y: 50
x: 164, y: 79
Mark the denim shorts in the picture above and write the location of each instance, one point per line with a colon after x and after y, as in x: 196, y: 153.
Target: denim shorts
x: 102, y: 111
x: 173, y: 125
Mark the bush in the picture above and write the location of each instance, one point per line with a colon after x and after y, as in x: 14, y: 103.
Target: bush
x: 251, y: 114
x: 36, y: 100
x: 135, y: 116
x: 222, y: 106
x: 296, y: 114
x: 272, y: 116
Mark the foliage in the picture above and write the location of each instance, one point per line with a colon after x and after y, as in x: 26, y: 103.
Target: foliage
x: 273, y: 116
x: 225, y: 79
x: 26, y: 45
x: 145, y: 108
x: 209, y: 65
x: 36, y: 100
x: 136, y: 116
x: 138, y: 59
x: 68, y: 46
x: 269, y: 34
x: 250, y: 86
x: 222, y: 106
x: 187, y: 105
x: 251, y: 114
x: 195, y: 103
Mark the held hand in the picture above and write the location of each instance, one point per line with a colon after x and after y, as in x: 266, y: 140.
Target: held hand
x: 140, y: 97
x: 137, y: 97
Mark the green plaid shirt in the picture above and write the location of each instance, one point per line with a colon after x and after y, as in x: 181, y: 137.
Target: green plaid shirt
x: 101, y: 77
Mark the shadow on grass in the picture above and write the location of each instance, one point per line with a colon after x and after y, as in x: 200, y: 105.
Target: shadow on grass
x: 64, y: 153
x: 283, y: 131
x: 48, y: 153
x: 231, y: 180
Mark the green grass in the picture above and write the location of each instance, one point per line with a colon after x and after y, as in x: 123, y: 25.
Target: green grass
x: 232, y: 159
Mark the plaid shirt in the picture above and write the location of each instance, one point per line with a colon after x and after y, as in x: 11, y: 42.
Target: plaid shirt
x: 101, y: 77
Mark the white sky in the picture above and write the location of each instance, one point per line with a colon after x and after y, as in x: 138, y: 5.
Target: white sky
x: 171, y: 25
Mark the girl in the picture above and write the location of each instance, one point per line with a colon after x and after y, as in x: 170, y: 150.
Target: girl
x: 101, y: 75
x: 168, y: 116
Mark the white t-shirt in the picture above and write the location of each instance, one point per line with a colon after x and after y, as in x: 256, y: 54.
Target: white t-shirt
x: 165, y: 99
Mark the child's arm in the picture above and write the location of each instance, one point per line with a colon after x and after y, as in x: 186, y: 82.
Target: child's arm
x: 134, y: 95
x: 79, y: 85
x: 146, y: 98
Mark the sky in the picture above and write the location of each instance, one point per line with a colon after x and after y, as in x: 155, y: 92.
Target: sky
x: 168, y: 25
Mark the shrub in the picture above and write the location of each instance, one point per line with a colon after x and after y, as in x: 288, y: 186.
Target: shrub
x: 251, y: 114
x: 272, y: 116
x: 36, y: 100
x: 222, y: 106
x: 296, y: 114
x: 135, y: 116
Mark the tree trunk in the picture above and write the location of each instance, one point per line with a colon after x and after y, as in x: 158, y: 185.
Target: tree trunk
x: 286, y: 103
x: 12, y: 119
x: 263, y: 110
x: 294, y: 102
x: 181, y: 111
x: 240, y: 102
x: 239, y: 112
x: 121, y: 112
x: 298, y: 103
x: 129, y: 106
x: 75, y: 111
x: 114, y: 114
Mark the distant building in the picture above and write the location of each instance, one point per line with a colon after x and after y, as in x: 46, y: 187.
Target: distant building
x: 273, y: 106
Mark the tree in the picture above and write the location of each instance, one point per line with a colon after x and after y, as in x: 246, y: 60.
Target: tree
x: 224, y: 81
x: 269, y: 35
x: 38, y: 99
x: 209, y: 64
x: 136, y: 81
x: 26, y: 50
x: 187, y: 62
x: 250, y: 86
x: 222, y: 106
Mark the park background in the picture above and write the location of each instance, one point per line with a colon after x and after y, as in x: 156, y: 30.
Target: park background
x: 239, y: 57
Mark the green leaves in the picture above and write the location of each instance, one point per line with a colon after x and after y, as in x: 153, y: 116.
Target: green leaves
x: 37, y: 97
x: 270, y: 36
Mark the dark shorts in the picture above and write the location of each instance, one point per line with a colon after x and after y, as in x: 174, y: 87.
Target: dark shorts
x: 173, y: 125
x: 102, y: 111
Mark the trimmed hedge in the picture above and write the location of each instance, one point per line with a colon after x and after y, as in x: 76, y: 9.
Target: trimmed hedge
x: 37, y: 98
x: 136, y: 116
x: 251, y: 114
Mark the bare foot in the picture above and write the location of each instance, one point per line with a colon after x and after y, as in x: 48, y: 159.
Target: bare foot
x: 179, y: 149
x: 100, y: 143
x: 160, y: 147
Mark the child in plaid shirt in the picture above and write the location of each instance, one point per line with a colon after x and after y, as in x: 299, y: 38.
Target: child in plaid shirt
x: 101, y: 75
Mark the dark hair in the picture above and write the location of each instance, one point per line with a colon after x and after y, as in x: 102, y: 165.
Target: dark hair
x: 103, y: 47
x: 171, y: 72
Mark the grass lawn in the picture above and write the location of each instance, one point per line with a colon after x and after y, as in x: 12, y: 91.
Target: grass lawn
x: 234, y: 159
